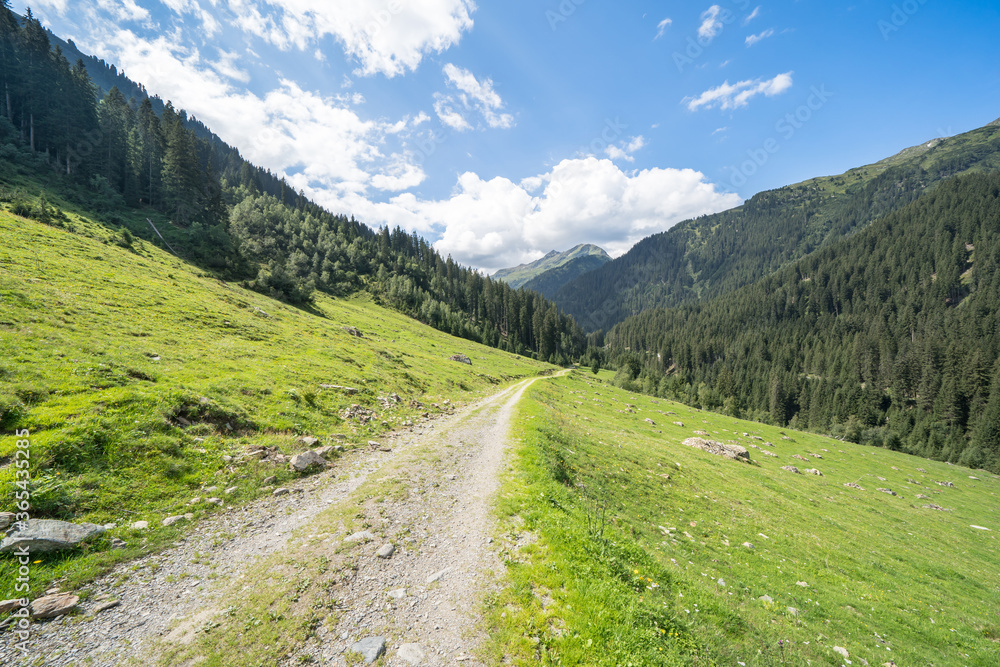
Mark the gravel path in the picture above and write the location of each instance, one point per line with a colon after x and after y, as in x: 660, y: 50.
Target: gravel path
x: 422, y: 599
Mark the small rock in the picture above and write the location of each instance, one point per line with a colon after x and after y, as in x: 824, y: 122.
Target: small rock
x: 748, y: 545
x: 681, y: 424
x: 813, y: 471
x: 855, y: 485
x: 214, y: 501
x: 51, y: 606
x: 791, y: 469
x: 386, y: 551
x: 461, y: 358
x: 231, y: 490
x: 437, y: 575
x: 182, y: 421
x: 140, y: 525
x: 354, y: 331
x: 412, y: 653
x: 211, y: 489
x: 282, y: 491
x: 650, y: 421
x: 793, y: 611
x: 360, y: 536
x: 802, y: 584
x: 268, y: 481
x: 9, y: 605
x: 195, y: 500
x: 370, y: 648
x: 171, y: 520
x: 326, y: 451
x: 117, y: 543
x: 6, y: 520
x: 397, y: 594
x: 766, y: 599
x: 309, y: 441
x: 104, y: 606
x: 722, y: 582
x: 889, y: 491
x: 842, y: 651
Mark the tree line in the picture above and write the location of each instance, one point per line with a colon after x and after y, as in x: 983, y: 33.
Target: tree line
x: 243, y: 222
x: 890, y: 337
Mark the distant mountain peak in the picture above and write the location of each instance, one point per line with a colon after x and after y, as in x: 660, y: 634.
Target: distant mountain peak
x: 519, y: 275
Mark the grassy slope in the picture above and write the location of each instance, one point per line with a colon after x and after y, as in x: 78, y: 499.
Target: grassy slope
x: 887, y: 579
x: 102, y: 347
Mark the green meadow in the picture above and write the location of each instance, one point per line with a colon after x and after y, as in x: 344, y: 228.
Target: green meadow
x: 625, y: 547
x: 135, y: 375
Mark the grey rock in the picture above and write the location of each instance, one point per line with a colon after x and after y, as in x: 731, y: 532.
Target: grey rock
x: 791, y: 469
x: 766, y: 598
x: 370, y: 648
x: 6, y: 520
x: 231, y: 490
x: 306, y: 460
x: 361, y: 536
x: 735, y: 452
x: 309, y: 441
x: 397, y: 594
x: 41, y: 535
x: 793, y: 611
x: 326, y: 451
x: 171, y: 520
x: 412, y: 653
x: 104, y: 606
x: 281, y: 492
x: 461, y: 358
x: 214, y: 501
x: 9, y: 605
x: 117, y: 543
x: 268, y: 481
x: 437, y: 575
x: 140, y: 525
x: 51, y: 606
x: 386, y: 551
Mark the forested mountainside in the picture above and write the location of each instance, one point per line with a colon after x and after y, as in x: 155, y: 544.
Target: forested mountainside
x: 716, y: 254
x: 64, y: 144
x: 889, y: 338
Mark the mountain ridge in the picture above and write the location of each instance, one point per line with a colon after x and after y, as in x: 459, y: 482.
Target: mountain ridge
x: 518, y: 276
x: 716, y: 254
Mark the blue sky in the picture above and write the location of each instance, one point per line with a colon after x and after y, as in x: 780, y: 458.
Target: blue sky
x: 503, y: 130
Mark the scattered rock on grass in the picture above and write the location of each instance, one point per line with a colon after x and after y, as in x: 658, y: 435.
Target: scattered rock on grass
x: 888, y: 491
x: 281, y: 491
x: 386, y: 551
x: 51, y: 606
x: 39, y: 535
x: 6, y: 520
x: 842, y: 651
x: 461, y: 358
x: 140, y: 525
x: 791, y: 469
x: 370, y: 648
x: 735, y: 452
x: 813, y: 471
x: 306, y: 460
x: 855, y: 485
x: 361, y: 536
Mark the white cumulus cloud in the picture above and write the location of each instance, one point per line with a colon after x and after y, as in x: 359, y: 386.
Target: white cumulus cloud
x: 710, y: 22
x: 387, y: 37
x: 491, y: 224
x: 626, y: 150
x: 733, y: 96
x: 472, y: 95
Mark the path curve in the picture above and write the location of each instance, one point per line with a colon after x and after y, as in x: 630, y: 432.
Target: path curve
x: 450, y: 469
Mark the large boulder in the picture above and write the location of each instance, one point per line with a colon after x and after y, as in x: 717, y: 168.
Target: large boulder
x: 306, y: 460
x: 51, y: 606
x: 40, y: 535
x: 735, y: 452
